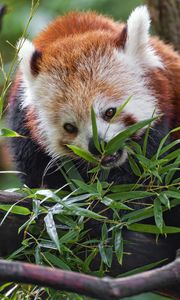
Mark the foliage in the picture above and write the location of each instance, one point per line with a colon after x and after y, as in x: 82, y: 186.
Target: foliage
x: 65, y: 240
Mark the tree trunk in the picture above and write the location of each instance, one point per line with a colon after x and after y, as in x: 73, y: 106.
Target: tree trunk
x: 165, y: 16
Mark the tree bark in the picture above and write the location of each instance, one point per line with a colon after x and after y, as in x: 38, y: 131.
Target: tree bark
x: 165, y: 16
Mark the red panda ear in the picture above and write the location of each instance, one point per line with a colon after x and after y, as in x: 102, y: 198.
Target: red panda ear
x: 29, y: 58
x: 121, y: 38
x: 137, y: 46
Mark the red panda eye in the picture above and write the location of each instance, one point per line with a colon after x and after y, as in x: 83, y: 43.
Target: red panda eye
x: 109, y: 113
x: 70, y: 128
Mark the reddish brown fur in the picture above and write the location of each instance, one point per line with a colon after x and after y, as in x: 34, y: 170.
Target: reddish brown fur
x: 76, y: 23
x: 166, y: 84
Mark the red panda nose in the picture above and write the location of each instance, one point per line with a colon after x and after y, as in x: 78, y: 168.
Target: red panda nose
x: 92, y: 148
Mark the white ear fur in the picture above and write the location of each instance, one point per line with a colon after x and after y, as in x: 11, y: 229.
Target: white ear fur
x: 137, y: 45
x: 26, y: 50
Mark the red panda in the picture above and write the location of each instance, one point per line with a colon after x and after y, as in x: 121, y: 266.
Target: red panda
x: 82, y: 60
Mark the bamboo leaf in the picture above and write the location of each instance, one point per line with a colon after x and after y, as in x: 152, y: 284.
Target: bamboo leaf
x: 16, y: 209
x: 143, y: 269
x: 134, y: 166
x: 118, y: 141
x: 82, y: 153
x: 51, y: 229
x: 56, y: 261
x: 173, y: 194
x: 164, y: 199
x: 158, y: 215
x: 95, y: 131
x: 120, y: 109
x: 118, y: 245
x: 153, y: 228
x: 85, y: 187
x: 5, y: 132
x: 131, y: 195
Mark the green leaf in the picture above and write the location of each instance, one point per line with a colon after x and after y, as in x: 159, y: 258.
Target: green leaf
x: 116, y: 205
x: 131, y: 195
x: 1, y: 106
x: 56, y: 261
x: 145, y: 143
x: 95, y: 131
x: 83, y: 153
x: 158, y: 215
x: 94, y: 170
x: 69, y: 237
x: 164, y: 199
x: 79, y: 211
x: 118, y: 245
x: 77, y: 199
x: 142, y: 269
x: 138, y: 215
x: 136, y: 147
x: 134, y: 166
x: 16, y: 209
x: 173, y: 194
x: 153, y: 228
x: 104, y: 233
x: 173, y: 155
x: 118, y: 141
x: 99, y: 187
x: 18, y: 252
x: 170, y: 167
x: 156, y: 174
x: 37, y: 255
x: 47, y: 244
x: 160, y: 151
x: 85, y: 187
x: 171, y: 173
x: 71, y: 170
x: 4, y: 286
x: 51, y: 229
x: 144, y: 161
x: 120, y: 109
x: 109, y: 255
x: 125, y: 187
x: 106, y: 254
x: 88, y: 260
x: 5, y: 132
x: 169, y: 146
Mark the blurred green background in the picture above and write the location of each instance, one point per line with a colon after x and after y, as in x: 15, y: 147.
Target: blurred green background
x: 12, y: 28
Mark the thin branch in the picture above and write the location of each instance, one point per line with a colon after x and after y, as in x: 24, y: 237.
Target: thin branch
x: 105, y: 288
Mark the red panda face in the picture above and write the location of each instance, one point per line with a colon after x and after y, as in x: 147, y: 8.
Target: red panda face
x: 66, y: 79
